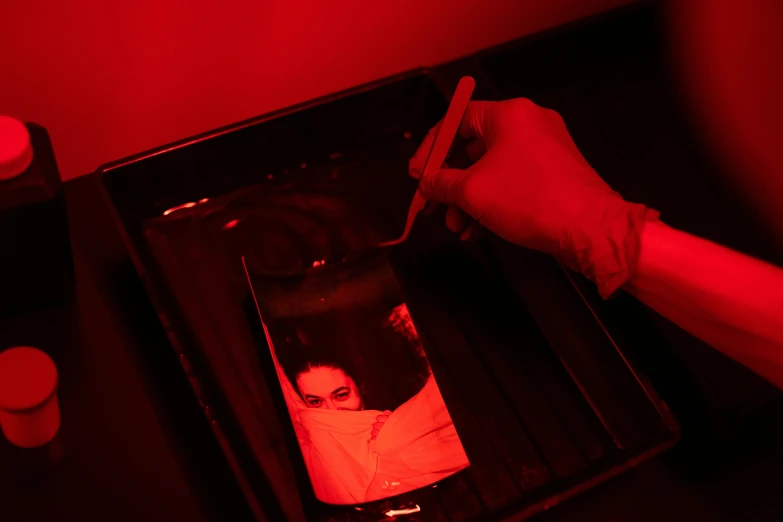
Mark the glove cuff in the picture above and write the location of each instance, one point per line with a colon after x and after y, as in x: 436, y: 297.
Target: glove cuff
x: 606, y: 246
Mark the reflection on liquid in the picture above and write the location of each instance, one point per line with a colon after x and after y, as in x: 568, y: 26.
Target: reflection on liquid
x: 399, y: 512
x: 231, y: 224
x: 317, y: 216
x: 179, y: 207
x: 189, y: 204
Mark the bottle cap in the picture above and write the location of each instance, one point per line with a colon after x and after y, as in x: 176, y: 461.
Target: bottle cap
x: 29, y: 411
x: 16, y: 150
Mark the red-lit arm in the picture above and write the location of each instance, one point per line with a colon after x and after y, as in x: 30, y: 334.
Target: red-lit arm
x: 531, y: 186
x: 729, y: 300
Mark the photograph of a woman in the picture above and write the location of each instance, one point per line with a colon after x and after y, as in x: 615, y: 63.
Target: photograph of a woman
x: 367, y: 413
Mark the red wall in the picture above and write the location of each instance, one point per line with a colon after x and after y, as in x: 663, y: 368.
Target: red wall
x: 109, y: 79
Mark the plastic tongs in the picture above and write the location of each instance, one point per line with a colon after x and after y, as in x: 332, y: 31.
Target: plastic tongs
x: 440, y: 149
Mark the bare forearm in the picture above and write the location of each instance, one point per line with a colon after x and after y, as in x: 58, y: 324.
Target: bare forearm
x: 729, y: 300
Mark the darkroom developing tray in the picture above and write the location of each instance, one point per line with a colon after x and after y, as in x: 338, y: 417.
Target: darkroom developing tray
x: 545, y: 403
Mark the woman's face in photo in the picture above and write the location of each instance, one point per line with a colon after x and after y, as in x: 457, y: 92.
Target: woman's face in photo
x: 329, y: 388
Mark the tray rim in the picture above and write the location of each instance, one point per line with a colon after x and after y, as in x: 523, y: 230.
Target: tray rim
x: 159, y: 302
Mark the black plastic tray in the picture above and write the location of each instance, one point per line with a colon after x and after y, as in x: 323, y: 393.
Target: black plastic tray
x: 545, y: 402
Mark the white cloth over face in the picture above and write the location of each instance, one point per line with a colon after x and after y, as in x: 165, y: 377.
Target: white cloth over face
x: 417, y: 446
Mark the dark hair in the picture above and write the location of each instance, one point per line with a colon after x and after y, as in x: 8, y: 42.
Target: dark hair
x: 299, y: 354
x: 386, y: 364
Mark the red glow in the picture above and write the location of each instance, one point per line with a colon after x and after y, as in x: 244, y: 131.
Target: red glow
x: 29, y: 411
x: 180, y: 207
x: 252, y: 59
x: 203, y: 200
x: 729, y: 59
x: 231, y: 224
x: 16, y: 151
x: 399, y: 512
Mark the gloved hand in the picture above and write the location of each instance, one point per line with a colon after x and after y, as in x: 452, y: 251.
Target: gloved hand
x: 530, y: 185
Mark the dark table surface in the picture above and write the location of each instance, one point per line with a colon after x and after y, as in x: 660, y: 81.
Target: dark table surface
x: 134, y: 444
